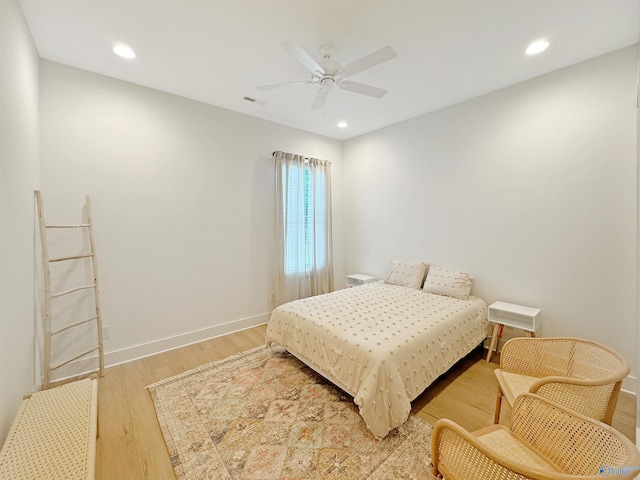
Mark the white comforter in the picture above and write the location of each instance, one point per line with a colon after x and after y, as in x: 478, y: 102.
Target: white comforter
x: 383, y: 344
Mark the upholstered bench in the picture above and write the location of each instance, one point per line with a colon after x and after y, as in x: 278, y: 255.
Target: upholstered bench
x: 54, y: 435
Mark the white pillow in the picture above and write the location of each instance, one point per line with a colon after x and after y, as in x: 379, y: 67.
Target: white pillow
x: 406, y: 274
x: 451, y: 283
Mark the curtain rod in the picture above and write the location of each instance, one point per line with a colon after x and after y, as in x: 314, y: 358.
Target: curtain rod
x: 306, y: 158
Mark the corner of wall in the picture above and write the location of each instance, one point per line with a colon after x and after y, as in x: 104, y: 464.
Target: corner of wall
x: 20, y: 175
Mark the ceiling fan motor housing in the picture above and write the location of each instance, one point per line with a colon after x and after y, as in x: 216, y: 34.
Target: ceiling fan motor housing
x: 327, y: 81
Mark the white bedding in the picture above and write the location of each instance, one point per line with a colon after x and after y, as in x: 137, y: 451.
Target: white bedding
x: 383, y: 344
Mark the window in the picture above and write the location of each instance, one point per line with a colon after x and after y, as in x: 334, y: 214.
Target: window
x: 305, y: 237
x: 303, y: 226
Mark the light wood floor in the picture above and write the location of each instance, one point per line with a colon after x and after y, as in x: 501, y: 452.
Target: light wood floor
x: 131, y: 447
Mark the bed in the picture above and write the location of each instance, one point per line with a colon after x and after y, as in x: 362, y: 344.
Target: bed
x: 382, y: 343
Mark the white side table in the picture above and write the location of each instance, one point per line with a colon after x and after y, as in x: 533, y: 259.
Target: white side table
x: 508, y: 314
x: 358, y: 279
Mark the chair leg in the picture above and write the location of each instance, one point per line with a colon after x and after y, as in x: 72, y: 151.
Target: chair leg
x: 611, y: 407
x: 496, y: 415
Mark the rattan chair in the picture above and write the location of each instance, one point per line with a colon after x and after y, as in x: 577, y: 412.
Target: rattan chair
x: 581, y: 375
x: 546, y: 441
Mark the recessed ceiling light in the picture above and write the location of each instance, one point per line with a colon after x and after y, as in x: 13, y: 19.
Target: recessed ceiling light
x: 536, y: 47
x: 342, y: 124
x: 124, y: 51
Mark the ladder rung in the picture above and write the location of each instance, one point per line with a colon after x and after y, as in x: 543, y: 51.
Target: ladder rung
x: 61, y: 259
x: 74, y: 358
x: 74, y: 325
x: 71, y: 290
x: 79, y: 225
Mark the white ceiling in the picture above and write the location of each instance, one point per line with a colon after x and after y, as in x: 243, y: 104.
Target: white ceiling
x: 218, y: 51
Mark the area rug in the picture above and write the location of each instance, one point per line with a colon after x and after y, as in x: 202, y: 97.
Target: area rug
x: 264, y: 415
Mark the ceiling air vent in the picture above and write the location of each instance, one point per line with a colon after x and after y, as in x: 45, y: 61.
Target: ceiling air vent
x: 254, y: 100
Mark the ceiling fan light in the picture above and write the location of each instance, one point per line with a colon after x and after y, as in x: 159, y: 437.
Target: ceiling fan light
x: 537, y: 47
x: 124, y: 51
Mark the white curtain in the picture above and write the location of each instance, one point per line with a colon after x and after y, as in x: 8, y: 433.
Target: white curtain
x: 303, y: 227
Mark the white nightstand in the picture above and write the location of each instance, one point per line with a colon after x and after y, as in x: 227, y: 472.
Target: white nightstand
x: 358, y: 279
x: 508, y: 314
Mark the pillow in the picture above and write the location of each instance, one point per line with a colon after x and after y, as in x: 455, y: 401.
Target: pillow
x: 451, y: 283
x: 406, y: 274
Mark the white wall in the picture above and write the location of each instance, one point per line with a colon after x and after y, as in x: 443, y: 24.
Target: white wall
x: 532, y: 189
x: 182, y: 196
x: 638, y: 246
x: 19, y: 174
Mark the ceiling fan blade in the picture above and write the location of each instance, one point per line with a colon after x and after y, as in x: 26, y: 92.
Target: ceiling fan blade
x: 303, y: 57
x: 286, y: 84
x: 320, y: 98
x: 368, y: 61
x: 362, y: 88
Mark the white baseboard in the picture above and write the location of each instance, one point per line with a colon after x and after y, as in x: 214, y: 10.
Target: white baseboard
x: 170, y: 343
x: 154, y: 347
x: 630, y: 385
x: 135, y: 352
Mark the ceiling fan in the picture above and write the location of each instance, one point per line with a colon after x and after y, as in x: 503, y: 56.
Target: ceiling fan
x: 328, y: 73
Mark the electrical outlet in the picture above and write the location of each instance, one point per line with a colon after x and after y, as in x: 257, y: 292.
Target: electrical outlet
x: 106, y: 331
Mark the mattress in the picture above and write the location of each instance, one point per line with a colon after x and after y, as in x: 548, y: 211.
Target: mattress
x: 383, y: 344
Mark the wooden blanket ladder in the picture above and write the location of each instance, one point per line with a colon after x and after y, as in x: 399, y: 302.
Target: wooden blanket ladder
x: 50, y: 296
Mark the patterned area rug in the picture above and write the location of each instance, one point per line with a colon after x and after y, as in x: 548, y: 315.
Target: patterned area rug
x: 263, y: 414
